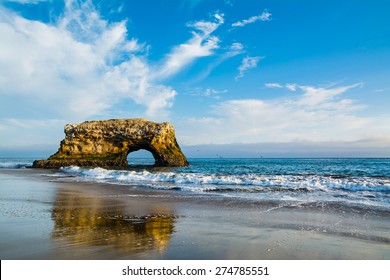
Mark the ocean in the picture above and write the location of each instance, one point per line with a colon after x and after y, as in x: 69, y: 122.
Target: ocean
x: 341, y: 182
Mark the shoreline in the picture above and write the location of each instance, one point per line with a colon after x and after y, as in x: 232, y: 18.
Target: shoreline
x: 47, y: 219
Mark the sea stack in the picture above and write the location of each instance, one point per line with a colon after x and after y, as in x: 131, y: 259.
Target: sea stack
x: 107, y: 143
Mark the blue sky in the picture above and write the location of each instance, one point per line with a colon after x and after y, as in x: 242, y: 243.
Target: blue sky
x: 237, y: 77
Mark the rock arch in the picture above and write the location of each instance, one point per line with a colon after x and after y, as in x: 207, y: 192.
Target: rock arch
x: 107, y: 143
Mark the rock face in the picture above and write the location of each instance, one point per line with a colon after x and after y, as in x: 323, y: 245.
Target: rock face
x: 107, y: 143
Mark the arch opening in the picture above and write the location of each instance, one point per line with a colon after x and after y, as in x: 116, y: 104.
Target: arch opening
x: 140, y: 157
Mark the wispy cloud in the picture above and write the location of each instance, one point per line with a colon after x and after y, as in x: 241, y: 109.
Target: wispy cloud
x: 320, y: 96
x: 201, y: 44
x: 312, y: 114
x: 235, y: 49
x: 232, y: 51
x: 208, y: 92
x: 291, y: 87
x: 247, y: 63
x: 315, y: 95
x: 265, y: 16
x: 273, y: 85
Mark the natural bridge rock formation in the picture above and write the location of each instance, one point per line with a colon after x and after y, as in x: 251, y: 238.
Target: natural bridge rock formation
x: 107, y: 143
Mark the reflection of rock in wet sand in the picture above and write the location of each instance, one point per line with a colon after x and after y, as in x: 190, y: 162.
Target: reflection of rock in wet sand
x: 95, y: 221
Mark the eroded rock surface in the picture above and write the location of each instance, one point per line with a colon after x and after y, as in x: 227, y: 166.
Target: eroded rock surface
x: 107, y: 143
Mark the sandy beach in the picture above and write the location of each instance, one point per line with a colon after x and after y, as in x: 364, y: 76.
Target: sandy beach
x: 42, y: 218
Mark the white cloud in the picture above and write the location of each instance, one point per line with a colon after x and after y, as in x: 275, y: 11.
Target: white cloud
x: 292, y: 87
x: 321, y: 96
x: 201, y: 44
x: 235, y: 49
x: 213, y: 93
x: 76, y: 68
x: 208, y: 92
x: 232, y: 51
x: 273, y: 85
x: 313, y: 114
x: 265, y: 16
x: 247, y: 64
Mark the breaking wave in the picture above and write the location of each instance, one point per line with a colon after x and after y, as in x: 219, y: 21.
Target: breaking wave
x: 349, y: 182
x: 15, y: 163
x: 233, y: 182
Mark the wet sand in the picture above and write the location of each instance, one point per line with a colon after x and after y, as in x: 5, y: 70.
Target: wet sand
x: 42, y: 218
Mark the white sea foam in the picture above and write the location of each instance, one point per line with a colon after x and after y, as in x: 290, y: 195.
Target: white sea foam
x: 12, y: 164
x: 226, y: 182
